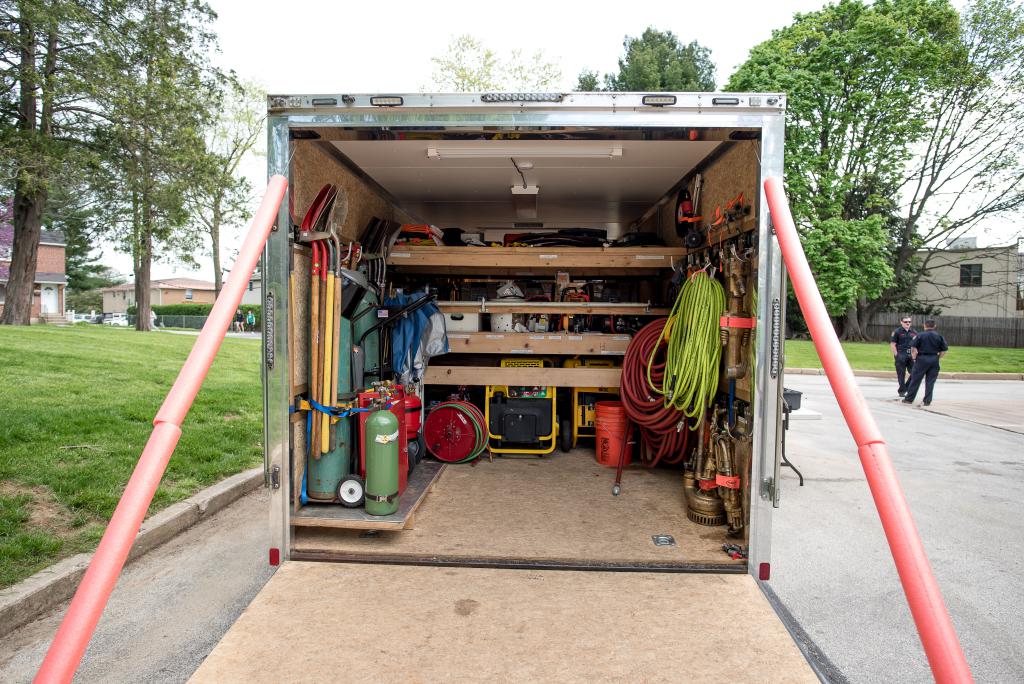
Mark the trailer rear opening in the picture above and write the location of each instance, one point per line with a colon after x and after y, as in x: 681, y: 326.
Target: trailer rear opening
x: 527, y: 266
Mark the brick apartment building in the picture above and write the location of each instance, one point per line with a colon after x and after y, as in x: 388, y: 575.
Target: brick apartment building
x: 50, y: 281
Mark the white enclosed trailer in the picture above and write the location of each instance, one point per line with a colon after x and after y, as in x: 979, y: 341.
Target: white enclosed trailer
x: 521, y: 569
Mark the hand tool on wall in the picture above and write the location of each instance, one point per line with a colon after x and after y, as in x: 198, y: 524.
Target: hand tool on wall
x: 314, y: 339
x: 336, y: 344
x: 327, y: 385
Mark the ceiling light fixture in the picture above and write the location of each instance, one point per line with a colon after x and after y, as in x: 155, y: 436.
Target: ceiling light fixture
x: 524, y: 199
x: 588, y: 152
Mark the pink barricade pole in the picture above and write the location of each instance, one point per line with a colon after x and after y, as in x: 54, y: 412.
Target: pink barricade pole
x: 93, y: 592
x: 926, y: 605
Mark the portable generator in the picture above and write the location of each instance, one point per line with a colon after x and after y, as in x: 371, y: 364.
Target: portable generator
x: 583, y: 401
x: 521, y: 420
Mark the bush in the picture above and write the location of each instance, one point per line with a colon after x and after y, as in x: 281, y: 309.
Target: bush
x: 197, y: 310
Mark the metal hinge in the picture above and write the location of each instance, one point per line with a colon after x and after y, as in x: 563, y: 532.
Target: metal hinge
x: 768, y: 488
x: 275, y: 477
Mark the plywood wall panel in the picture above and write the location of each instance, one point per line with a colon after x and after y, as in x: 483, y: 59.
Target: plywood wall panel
x: 313, y: 167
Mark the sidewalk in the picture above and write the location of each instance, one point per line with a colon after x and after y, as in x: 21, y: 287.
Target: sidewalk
x: 195, y: 333
x: 892, y: 374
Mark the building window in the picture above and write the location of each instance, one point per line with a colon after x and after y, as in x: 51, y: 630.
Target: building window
x: 250, y: 286
x: 970, y: 275
x: 188, y: 293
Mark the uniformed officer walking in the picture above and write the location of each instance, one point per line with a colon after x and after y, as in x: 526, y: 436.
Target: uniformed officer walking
x: 926, y: 350
x: 899, y: 343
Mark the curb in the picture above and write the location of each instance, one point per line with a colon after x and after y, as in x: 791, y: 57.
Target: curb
x: 48, y: 588
x: 889, y: 374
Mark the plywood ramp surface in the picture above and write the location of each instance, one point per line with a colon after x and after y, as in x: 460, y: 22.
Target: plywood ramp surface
x: 556, y: 508
x: 340, y: 622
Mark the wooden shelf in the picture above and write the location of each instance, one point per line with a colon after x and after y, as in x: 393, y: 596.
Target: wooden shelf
x: 537, y: 343
x: 576, y: 308
x: 335, y: 515
x: 534, y: 260
x: 530, y: 377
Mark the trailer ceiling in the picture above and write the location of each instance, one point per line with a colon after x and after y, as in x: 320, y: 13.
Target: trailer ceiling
x: 574, y: 189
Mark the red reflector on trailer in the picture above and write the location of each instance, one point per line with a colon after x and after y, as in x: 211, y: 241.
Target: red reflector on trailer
x: 764, y: 571
x: 275, y: 557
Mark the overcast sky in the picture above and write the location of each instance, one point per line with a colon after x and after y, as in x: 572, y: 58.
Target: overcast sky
x: 312, y: 46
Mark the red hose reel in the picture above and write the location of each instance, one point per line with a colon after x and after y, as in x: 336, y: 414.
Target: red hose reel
x: 455, y: 432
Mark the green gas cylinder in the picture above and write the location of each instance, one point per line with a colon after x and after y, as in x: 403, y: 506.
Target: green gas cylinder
x: 381, y: 450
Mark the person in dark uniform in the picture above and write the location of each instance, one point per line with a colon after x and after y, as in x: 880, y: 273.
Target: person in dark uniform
x: 899, y: 343
x: 926, y: 349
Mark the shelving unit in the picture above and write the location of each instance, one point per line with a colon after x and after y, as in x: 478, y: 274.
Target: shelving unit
x: 575, y: 308
x: 525, y: 261
x: 587, y: 344
x: 493, y: 375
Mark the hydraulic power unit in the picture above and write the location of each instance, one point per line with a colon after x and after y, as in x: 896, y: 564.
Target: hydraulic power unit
x: 521, y: 420
x: 584, y: 400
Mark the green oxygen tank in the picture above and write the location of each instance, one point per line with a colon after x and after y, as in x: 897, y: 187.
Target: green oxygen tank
x: 381, y: 463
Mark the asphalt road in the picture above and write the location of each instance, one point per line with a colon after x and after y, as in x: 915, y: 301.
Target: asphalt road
x: 964, y: 480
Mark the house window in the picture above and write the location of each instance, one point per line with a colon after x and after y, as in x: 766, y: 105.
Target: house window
x: 250, y: 286
x: 188, y: 293
x: 970, y: 275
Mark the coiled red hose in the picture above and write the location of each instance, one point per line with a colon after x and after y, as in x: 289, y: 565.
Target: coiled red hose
x: 663, y: 429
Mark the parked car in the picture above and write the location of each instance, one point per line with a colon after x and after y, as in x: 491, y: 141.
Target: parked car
x: 118, y: 319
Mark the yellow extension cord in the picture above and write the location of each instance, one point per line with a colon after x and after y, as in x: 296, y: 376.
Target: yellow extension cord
x: 694, y: 347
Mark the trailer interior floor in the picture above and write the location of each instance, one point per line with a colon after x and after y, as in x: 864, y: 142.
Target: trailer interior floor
x: 542, y: 512
x: 387, y: 623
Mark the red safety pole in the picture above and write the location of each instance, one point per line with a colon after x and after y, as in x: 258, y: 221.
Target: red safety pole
x: 93, y: 592
x: 934, y: 626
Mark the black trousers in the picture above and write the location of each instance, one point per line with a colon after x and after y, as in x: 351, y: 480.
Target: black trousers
x: 904, y: 367
x: 927, y: 368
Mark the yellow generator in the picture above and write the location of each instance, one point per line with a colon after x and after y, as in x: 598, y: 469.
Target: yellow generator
x: 583, y: 401
x: 521, y: 420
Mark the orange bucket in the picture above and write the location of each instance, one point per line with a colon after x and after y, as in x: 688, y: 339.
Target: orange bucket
x: 611, y: 425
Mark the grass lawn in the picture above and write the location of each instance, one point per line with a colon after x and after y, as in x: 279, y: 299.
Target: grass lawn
x: 876, y: 356
x: 77, y: 405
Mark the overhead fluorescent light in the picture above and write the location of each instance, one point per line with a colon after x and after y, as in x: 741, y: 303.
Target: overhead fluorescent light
x: 534, y: 152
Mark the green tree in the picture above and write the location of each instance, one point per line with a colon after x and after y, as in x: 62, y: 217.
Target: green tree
x: 220, y: 196
x: 160, y: 94
x: 45, y: 52
x: 969, y: 170
x: 657, y: 61
x: 467, y: 66
x: 858, y: 77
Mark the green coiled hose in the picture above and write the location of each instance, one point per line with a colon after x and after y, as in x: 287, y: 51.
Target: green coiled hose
x: 694, y: 349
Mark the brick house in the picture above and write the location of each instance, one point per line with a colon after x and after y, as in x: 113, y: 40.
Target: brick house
x: 118, y: 298
x: 50, y: 280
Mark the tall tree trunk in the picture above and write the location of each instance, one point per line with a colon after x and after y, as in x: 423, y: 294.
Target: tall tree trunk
x: 29, y: 192
x: 28, y: 221
x: 218, y: 278
x: 143, y: 272
x: 852, y: 329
